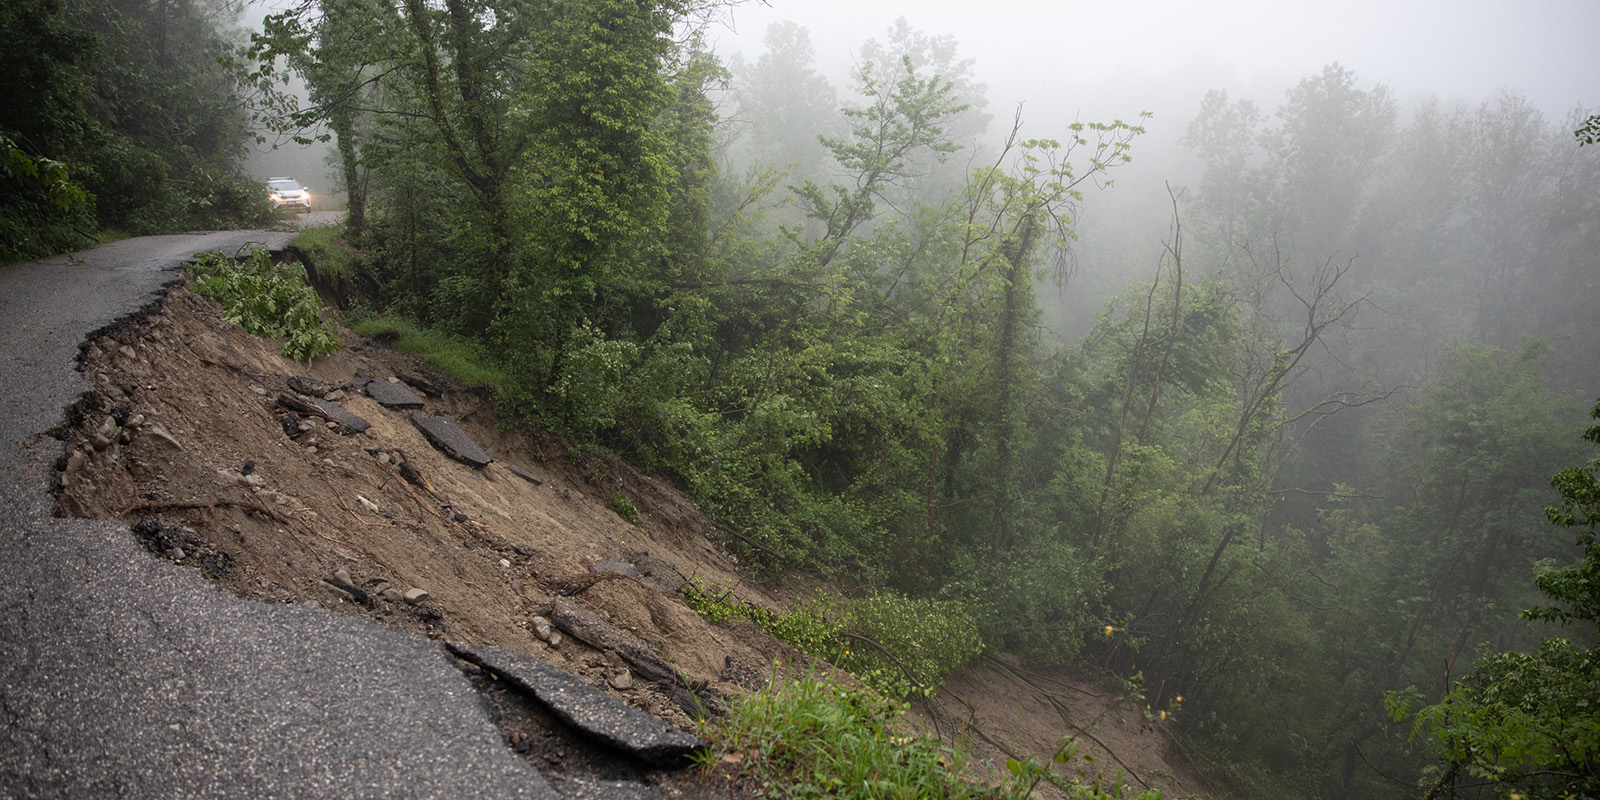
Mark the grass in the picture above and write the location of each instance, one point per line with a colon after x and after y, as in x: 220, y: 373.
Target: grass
x: 332, y: 261
x: 456, y: 356
x: 813, y: 738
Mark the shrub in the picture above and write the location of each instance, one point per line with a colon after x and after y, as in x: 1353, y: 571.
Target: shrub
x: 266, y: 299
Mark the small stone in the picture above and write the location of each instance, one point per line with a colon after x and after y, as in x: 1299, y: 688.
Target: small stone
x: 176, y: 554
x: 136, y: 421
x: 459, y: 517
x: 415, y: 596
x: 161, y: 433
x: 505, y: 564
x: 343, y: 576
x: 383, y: 586
x: 327, y: 462
x: 541, y: 628
x: 125, y: 437
x: 261, y: 390
x: 393, y: 379
x: 334, y: 396
x: 306, y: 425
x: 621, y: 680
x: 100, y: 442
x: 76, y: 461
x: 371, y: 449
x: 384, y: 458
x: 367, y: 504
x: 108, y: 428
x: 128, y: 351
x: 252, y: 480
x: 392, y: 595
x: 555, y: 639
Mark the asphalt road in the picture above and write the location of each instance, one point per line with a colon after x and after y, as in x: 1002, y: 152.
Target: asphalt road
x: 125, y: 676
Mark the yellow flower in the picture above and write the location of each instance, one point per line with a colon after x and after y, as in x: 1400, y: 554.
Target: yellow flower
x: 1163, y: 715
x: 1110, y: 629
x: 1180, y: 698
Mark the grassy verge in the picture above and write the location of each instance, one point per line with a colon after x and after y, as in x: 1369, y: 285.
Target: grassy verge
x: 332, y: 260
x: 456, y: 356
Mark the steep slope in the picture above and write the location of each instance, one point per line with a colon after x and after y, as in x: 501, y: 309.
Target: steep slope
x: 187, y: 438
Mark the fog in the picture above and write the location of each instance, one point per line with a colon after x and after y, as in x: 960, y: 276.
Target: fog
x: 1115, y: 59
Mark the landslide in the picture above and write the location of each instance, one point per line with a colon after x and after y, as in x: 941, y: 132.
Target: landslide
x: 184, y: 438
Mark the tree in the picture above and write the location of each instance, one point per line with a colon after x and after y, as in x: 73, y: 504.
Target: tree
x: 1530, y: 721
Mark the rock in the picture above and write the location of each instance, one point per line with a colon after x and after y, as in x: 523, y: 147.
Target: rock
x: 619, y: 567
x: 343, y: 575
x: 384, y: 458
x: 161, y: 435
x: 109, y: 427
x: 445, y: 434
x: 176, y: 554
x: 367, y: 504
x: 305, y: 425
x: 100, y: 442
x: 136, y: 421
x: 371, y: 449
x: 393, y: 395
x: 128, y: 351
x: 392, y: 595
x: 76, y: 461
x: 414, y: 596
x: 505, y: 564
x: 459, y: 517
x: 621, y: 680
x: 334, y: 396
x: 593, y: 714
x: 541, y: 628
x: 527, y: 476
x: 309, y: 386
x: 261, y: 390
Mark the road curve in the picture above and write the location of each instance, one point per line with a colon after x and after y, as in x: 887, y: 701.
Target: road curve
x: 125, y: 676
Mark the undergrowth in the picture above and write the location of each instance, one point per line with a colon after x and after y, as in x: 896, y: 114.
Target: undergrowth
x: 813, y: 738
x: 456, y: 356
x: 266, y: 299
x: 900, y: 646
x: 319, y: 243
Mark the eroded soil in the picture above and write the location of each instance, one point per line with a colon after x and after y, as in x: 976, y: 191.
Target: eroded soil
x: 184, y: 438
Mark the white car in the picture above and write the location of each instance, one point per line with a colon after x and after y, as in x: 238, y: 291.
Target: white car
x: 288, y: 192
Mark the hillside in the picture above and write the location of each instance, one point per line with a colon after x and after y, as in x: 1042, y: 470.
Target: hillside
x: 186, y: 440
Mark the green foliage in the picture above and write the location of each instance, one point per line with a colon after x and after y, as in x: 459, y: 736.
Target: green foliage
x: 624, y: 507
x: 813, y: 738
x: 267, y: 300
x: 1531, y: 721
x: 459, y: 357
x: 45, y: 209
x: 898, y: 645
x: 322, y: 245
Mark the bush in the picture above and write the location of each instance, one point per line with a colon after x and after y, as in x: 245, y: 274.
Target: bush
x: 266, y: 299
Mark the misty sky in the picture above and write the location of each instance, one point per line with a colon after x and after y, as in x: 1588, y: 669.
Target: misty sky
x: 1113, y: 59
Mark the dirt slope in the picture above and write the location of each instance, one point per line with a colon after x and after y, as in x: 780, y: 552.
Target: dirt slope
x: 185, y: 440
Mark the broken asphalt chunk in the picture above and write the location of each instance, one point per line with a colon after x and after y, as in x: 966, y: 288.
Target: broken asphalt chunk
x: 446, y: 435
x: 332, y: 412
x: 590, y: 712
x: 393, y: 395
